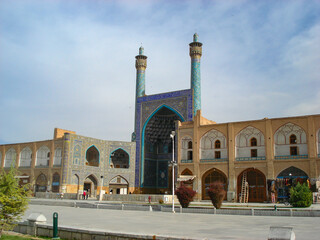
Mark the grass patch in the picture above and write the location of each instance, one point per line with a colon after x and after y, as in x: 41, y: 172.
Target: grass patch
x: 14, y: 237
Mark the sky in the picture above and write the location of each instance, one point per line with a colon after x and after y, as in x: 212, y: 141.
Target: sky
x: 71, y: 64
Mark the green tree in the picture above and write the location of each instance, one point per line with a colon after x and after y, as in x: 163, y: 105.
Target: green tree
x: 13, y: 199
x: 300, y: 196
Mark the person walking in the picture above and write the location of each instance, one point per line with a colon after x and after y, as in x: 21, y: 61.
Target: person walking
x: 84, y: 195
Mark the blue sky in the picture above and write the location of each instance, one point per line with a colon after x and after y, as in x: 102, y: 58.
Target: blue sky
x: 70, y: 64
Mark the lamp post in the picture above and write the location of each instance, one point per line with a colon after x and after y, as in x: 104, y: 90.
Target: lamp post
x: 173, y: 133
x: 100, y: 194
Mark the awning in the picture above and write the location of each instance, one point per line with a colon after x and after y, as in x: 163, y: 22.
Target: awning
x: 21, y: 177
x: 184, y: 178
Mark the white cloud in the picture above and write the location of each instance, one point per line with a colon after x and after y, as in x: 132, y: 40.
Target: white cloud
x: 71, y: 65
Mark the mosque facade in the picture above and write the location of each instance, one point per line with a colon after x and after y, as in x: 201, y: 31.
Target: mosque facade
x: 249, y: 153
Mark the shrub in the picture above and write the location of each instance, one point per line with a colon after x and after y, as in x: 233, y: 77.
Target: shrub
x: 217, y: 193
x: 300, y: 196
x: 160, y: 201
x: 13, y: 199
x: 185, y: 195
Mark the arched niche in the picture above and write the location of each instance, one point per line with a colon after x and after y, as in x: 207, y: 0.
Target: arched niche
x: 119, y: 159
x: 286, y: 179
x: 250, y: 143
x: 186, y: 149
x: 25, y: 157
x: 213, y: 145
x: 257, y: 185
x: 57, y: 157
x: 55, y: 182
x: 75, y: 181
x: 211, y: 176
x: 156, y: 149
x: 118, y: 185
x: 43, y: 156
x: 290, y: 142
x: 90, y: 185
x: 92, y: 156
x: 41, y: 183
x: 292, y: 172
x: 77, y: 154
x: 10, y: 158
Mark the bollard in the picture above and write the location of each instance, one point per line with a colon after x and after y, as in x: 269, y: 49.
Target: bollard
x: 55, y: 226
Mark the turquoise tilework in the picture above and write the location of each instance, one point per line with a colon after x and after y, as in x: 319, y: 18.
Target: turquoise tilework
x: 140, y: 88
x: 195, y: 84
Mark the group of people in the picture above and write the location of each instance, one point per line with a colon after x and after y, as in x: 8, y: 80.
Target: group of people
x: 85, y: 195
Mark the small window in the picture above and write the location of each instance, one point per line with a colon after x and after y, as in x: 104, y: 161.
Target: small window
x: 293, y: 139
x: 189, y: 145
x: 189, y: 155
x: 217, y: 144
x: 293, y: 151
x: 254, y: 153
x: 253, y: 142
x: 217, y: 154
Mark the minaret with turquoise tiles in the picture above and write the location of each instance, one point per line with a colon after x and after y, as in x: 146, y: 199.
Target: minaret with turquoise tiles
x: 141, y: 65
x: 195, y: 54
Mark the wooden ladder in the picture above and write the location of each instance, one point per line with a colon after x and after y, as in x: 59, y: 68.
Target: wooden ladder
x: 244, y: 196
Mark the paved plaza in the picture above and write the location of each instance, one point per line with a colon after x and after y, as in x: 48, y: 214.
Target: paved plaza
x: 194, y: 226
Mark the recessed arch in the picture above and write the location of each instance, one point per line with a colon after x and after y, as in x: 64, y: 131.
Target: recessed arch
x: 253, y: 142
x: 10, y: 158
x: 213, y: 145
x: 75, y: 180
x: 244, y: 136
x: 76, y: 154
x: 92, y: 156
x: 57, y: 156
x: 25, y: 157
x: 43, y: 156
x: 55, y: 182
x: 211, y: 176
x: 293, y: 139
x: 293, y: 172
x: 287, y: 130
x: 90, y: 185
x: 186, y: 150
x: 118, y: 185
x: 41, y: 183
x: 250, y: 144
x: 156, y: 147
x: 257, y: 184
x: 119, y: 158
x: 217, y: 144
x: 211, y: 136
x: 290, y: 141
x: 186, y: 171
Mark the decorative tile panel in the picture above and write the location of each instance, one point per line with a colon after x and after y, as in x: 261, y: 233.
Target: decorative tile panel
x: 179, y: 101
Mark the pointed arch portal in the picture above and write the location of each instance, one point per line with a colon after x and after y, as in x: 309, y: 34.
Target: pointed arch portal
x: 157, y: 149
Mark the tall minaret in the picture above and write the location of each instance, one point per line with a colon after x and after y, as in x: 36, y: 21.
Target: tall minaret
x: 195, y: 54
x: 141, y: 65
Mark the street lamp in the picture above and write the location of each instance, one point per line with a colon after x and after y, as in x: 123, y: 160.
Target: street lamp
x: 100, y: 194
x: 173, y: 133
